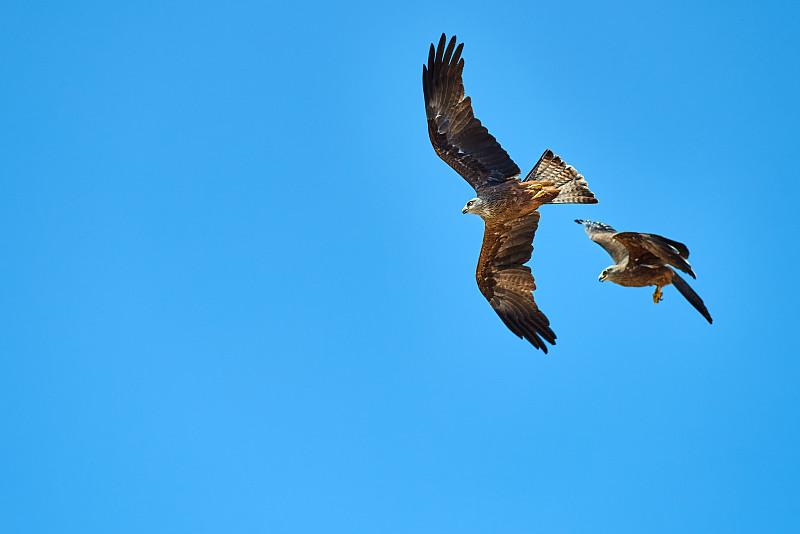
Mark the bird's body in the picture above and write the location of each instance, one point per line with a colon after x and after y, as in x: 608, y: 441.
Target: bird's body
x: 510, y: 200
x: 644, y: 260
x: 507, y: 204
x: 635, y: 275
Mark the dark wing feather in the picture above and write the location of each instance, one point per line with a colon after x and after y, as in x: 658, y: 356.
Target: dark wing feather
x: 656, y: 246
x: 457, y: 136
x: 637, y: 252
x: 693, y: 298
x: 551, y: 168
x: 507, y: 283
x: 682, y: 250
x: 603, y: 235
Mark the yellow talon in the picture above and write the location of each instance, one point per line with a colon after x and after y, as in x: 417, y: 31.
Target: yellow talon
x: 657, y: 295
x: 539, y: 194
x: 536, y: 187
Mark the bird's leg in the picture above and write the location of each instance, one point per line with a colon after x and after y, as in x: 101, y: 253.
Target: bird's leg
x: 657, y: 295
x: 539, y: 188
x: 536, y: 186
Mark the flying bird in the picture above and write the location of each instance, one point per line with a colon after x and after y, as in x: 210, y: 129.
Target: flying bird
x: 507, y: 204
x: 643, y: 260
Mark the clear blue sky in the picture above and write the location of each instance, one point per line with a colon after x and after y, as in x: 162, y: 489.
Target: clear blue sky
x: 239, y: 294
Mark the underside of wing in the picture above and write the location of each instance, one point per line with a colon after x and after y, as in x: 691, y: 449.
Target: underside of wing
x: 457, y: 136
x: 508, y: 284
x: 573, y: 186
x: 640, y: 245
x: 603, y: 235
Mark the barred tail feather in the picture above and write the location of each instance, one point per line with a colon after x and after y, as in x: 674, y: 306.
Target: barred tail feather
x: 575, y: 192
x: 551, y: 168
x: 693, y: 298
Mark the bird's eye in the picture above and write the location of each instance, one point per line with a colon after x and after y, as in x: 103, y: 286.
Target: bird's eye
x: 470, y: 203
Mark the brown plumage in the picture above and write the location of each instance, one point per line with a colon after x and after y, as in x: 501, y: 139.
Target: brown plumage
x: 507, y: 204
x: 643, y: 260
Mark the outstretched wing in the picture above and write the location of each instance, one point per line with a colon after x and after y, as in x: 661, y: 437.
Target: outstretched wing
x: 507, y: 283
x: 665, y: 250
x: 551, y: 168
x: 603, y: 235
x: 457, y: 136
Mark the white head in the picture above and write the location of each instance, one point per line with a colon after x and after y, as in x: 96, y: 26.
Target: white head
x: 609, y: 273
x: 477, y: 206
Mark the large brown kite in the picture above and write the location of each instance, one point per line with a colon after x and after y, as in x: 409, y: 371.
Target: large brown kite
x: 507, y: 204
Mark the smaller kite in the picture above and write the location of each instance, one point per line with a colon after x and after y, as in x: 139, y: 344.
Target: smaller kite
x: 641, y: 260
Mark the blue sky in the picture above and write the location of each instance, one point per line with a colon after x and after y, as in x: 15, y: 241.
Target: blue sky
x: 239, y: 291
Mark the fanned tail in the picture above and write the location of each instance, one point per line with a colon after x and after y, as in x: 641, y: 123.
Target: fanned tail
x: 575, y: 192
x: 574, y: 189
x: 693, y: 298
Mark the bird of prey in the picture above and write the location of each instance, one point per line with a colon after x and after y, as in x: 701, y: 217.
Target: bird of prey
x: 506, y: 203
x: 642, y: 260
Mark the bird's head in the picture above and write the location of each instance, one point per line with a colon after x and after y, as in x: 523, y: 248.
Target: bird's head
x: 609, y: 273
x: 476, y: 205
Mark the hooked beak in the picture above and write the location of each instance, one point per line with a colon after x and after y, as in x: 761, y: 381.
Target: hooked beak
x: 464, y: 210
